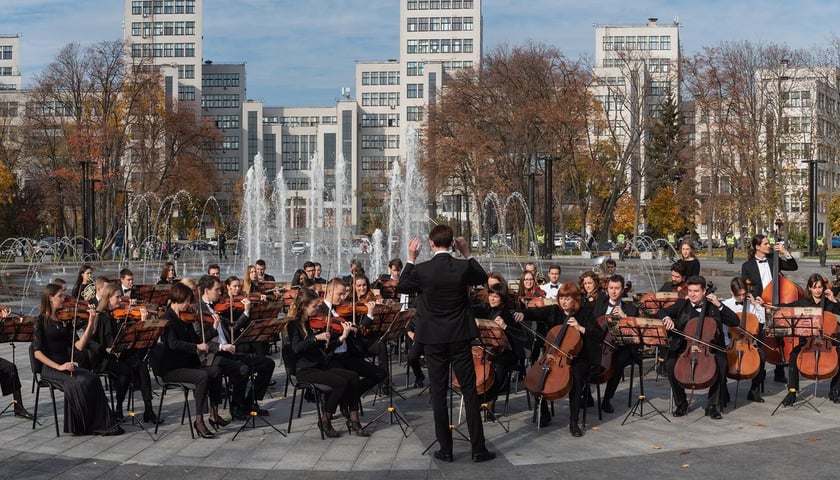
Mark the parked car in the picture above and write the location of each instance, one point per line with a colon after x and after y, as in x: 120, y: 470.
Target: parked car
x: 298, y: 248
x: 835, y: 242
x: 199, y: 245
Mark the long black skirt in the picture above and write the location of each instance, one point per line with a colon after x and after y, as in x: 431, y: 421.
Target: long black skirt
x: 86, y: 409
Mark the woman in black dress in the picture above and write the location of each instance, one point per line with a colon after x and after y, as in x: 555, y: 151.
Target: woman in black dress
x: 84, y: 287
x: 86, y: 409
x: 692, y: 265
x: 167, y: 274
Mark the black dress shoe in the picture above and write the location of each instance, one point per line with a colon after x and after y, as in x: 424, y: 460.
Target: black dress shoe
x: 483, y: 456
x: 789, y: 400
x: 443, y: 456
x: 150, y: 417
x: 418, y: 383
x: 575, y: 429
x: 681, y: 410
x: 713, y: 412
x: 607, y: 406
x: 754, y: 396
x: 21, y: 412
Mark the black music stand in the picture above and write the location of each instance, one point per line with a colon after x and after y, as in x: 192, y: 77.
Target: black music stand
x: 492, y: 340
x: 797, y: 322
x: 16, y: 328
x: 391, y: 324
x: 639, y: 332
x: 137, y: 337
x: 260, y: 330
x: 659, y: 301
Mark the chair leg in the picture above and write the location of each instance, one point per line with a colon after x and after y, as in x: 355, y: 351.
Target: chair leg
x: 318, y: 411
x: 160, y: 408
x: 292, y: 410
x: 187, y: 410
x: 55, y: 410
x: 35, y: 410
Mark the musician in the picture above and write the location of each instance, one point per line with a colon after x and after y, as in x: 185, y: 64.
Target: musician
x: 214, y: 269
x: 180, y: 362
x: 84, y: 288
x: 819, y: 296
x: 317, y: 278
x: 736, y: 304
x: 99, y: 285
x: 678, y: 277
x: 590, y: 287
x: 261, y: 275
x: 610, y: 267
x: 125, y: 367
x: 553, y: 285
x: 127, y: 284
x: 10, y: 380
x: 675, y: 318
x: 298, y: 277
x: 370, y: 346
x: 498, y: 310
x: 56, y: 346
x: 387, y: 283
x: 249, y: 281
x: 528, y: 287
x: 758, y: 269
x: 309, y: 268
x: 316, y: 363
x: 167, y: 274
x: 445, y: 326
x: 692, y: 265
x: 612, y: 304
x: 355, y: 270
x: 350, y: 353
x: 532, y: 267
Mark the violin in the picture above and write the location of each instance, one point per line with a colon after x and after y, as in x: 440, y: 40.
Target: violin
x: 236, y: 302
x: 71, y: 308
x: 319, y: 324
x: 190, y: 316
x: 129, y: 313
x: 743, y: 358
x: 348, y: 309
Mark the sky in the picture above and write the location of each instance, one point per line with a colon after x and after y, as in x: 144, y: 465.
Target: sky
x: 302, y: 52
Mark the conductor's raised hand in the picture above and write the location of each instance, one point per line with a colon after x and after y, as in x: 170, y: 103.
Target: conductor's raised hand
x: 462, y: 246
x: 414, y: 246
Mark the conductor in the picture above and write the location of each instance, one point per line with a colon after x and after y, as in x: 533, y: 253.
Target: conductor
x: 445, y: 326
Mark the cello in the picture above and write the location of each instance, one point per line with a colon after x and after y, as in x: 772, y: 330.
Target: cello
x: 743, y: 358
x: 550, y: 377
x: 695, y: 367
x: 780, y: 290
x: 817, y: 360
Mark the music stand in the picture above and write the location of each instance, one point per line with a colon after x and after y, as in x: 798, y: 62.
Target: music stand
x: 391, y: 323
x: 260, y: 330
x: 137, y: 337
x: 797, y: 322
x: 639, y: 332
x: 650, y: 304
x: 16, y: 328
x: 493, y: 341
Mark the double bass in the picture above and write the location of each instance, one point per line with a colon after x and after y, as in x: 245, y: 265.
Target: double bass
x: 780, y: 290
x: 743, y: 358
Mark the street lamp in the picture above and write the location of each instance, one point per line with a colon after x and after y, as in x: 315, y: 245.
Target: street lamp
x: 812, y: 204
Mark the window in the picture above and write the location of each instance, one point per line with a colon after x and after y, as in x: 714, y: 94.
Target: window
x: 796, y: 99
x: 220, y: 79
x: 378, y: 162
x: 189, y: 50
x: 190, y: 6
x: 413, y: 69
x: 226, y: 121
x: 297, y: 150
x: 414, y: 114
x: 186, y: 92
x: 414, y: 90
x: 227, y: 164
x: 411, y: 24
x: 5, y: 71
x: 468, y: 23
x: 6, y: 52
x: 468, y: 45
x: 230, y: 142
x: 665, y: 42
x: 225, y: 100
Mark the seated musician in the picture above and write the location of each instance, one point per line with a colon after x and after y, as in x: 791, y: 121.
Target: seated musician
x: 125, y: 367
x: 498, y: 310
x: 350, y: 353
x: 678, y: 278
x: 317, y: 363
x: 370, y: 344
x: 299, y: 276
x: 580, y: 318
x: 387, y: 283
x: 261, y: 275
x: 736, y: 304
x: 532, y: 267
x: 528, y: 287
x: 167, y: 274
x: 624, y: 355
x: 249, y: 281
x: 10, y: 381
x: 127, y: 285
x: 317, y: 277
x: 675, y: 318
x: 590, y: 286
x: 819, y: 296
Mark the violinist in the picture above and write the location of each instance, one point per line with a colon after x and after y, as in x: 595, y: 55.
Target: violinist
x: 125, y: 367
x: 819, y: 296
x: 261, y: 275
x: 56, y: 345
x: 387, y: 283
x: 249, y: 281
x: 316, y: 363
x: 580, y: 318
x: 167, y: 274
x: 85, y: 288
x: 552, y: 286
x: 181, y: 346
x: 299, y: 276
x: 528, y: 287
x: 678, y: 277
x: 215, y: 270
x: 696, y: 304
x: 590, y: 287
x: 758, y: 269
x: 127, y: 285
x: 350, y: 353
x: 498, y: 309
x: 740, y: 296
x: 612, y: 304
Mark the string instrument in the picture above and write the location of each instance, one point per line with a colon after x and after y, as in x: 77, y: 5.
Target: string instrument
x: 236, y: 302
x: 388, y: 288
x: 780, y: 290
x: 695, y: 367
x: 134, y: 313
x: 550, y: 377
x: 539, y: 302
x: 605, y: 369
x: 320, y: 324
x: 72, y: 308
x: 651, y: 302
x: 190, y: 316
x: 485, y: 374
x: 817, y: 360
x: 289, y: 296
x: 742, y: 357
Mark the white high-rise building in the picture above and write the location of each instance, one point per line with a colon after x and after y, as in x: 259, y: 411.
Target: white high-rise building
x: 10, y: 62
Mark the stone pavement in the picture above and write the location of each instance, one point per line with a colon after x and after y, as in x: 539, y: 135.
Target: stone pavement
x: 748, y: 442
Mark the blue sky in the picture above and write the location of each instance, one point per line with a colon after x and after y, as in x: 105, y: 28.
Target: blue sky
x: 301, y: 52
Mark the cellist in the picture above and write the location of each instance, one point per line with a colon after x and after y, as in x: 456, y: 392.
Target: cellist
x: 675, y: 318
x: 819, y: 296
x: 678, y: 277
x: 736, y: 304
x: 758, y: 270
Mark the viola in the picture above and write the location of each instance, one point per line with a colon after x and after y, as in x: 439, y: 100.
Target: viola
x: 485, y: 373
x: 319, y: 324
x: 67, y: 314
x: 550, y: 377
x: 129, y: 313
x: 743, y: 358
x: 695, y: 367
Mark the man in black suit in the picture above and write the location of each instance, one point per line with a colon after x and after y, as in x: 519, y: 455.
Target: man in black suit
x: 626, y: 354
x: 758, y: 269
x: 445, y: 326
x: 259, y: 265
x: 696, y: 304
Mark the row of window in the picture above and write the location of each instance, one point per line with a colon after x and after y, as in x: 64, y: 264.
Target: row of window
x: 440, y: 45
x: 157, y: 7
x: 632, y: 42
x: 148, y: 29
x: 376, y: 99
x: 227, y: 164
x: 220, y: 100
x: 457, y: 65
x: 380, y: 142
x: 225, y: 121
x: 230, y: 142
x: 438, y: 4
x: 50, y: 108
x: 299, y: 121
x: 186, y: 71
x: 5, y: 52
x: 8, y: 109
x: 380, y: 120
x: 380, y: 78
x: 654, y: 65
x: 186, y: 92
x: 220, y: 79
x: 378, y: 162
x: 297, y: 150
x: 796, y: 124
x: 796, y: 99
x: 611, y: 103
x: 439, y: 24
x: 148, y: 50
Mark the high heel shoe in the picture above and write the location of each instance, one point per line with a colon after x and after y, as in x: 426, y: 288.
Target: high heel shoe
x: 204, y: 432
x: 326, y: 426
x: 356, y: 427
x: 217, y: 422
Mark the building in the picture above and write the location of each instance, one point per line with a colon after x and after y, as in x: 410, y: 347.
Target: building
x: 10, y: 78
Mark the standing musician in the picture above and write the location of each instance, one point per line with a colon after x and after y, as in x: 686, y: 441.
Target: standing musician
x: 498, y: 310
x: 316, y: 363
x: 692, y: 265
x: 678, y: 277
x: 445, y: 326
x: 675, y: 317
x: 124, y: 367
x: 590, y: 287
x: 167, y: 274
x: 819, y: 296
x: 349, y: 352
x: 758, y: 269
x: 85, y: 287
x: 736, y: 304
x: 611, y: 304
x: 553, y: 284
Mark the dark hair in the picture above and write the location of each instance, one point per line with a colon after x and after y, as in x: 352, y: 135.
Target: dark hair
x: 77, y: 288
x: 213, y: 266
x: 441, y: 236
x: 231, y: 279
x: 679, y: 267
x: 296, y: 276
x: 737, y: 284
x: 165, y: 269
x: 180, y: 293
x: 696, y: 280
x: 555, y: 267
x: 616, y: 278
x: 501, y: 291
x: 303, y: 297
x: 395, y: 262
x: 46, y: 307
x: 206, y: 282
x: 593, y: 276
x: 317, y: 264
x: 260, y: 262
x: 125, y: 272
x: 755, y: 242
x: 610, y: 262
x: 308, y: 264
x: 816, y: 277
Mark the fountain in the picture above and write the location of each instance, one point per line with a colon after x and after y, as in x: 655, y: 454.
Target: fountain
x: 254, y: 210
x: 279, y: 196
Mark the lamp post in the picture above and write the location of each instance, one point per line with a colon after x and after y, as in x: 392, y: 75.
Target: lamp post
x: 549, y: 218
x: 812, y: 204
